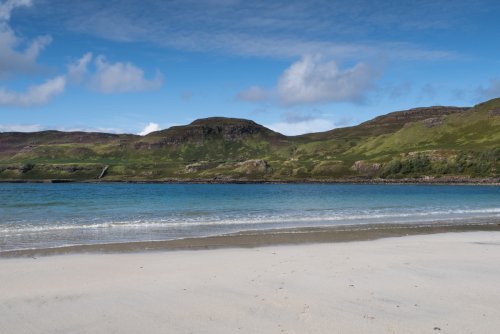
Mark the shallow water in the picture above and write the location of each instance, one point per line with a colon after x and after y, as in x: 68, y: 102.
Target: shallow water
x: 54, y: 215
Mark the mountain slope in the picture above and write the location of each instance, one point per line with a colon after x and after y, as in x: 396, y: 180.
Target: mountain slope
x: 433, y: 141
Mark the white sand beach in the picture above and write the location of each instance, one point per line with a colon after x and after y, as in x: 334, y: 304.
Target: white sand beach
x: 442, y: 283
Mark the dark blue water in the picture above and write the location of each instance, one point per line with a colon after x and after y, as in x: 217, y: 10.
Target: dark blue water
x: 53, y: 215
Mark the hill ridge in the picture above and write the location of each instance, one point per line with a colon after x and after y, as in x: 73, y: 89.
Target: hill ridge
x: 426, y: 141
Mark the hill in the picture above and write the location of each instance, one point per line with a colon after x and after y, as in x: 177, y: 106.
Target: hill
x: 450, y: 142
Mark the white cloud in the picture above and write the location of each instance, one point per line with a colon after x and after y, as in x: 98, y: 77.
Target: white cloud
x: 13, y: 59
x: 301, y: 127
x: 313, y: 80
x: 121, y: 77
x: 107, y: 77
x: 279, y: 28
x: 38, y: 127
x: 151, y: 127
x: 34, y: 95
x: 78, y: 70
x: 6, y: 7
x: 83, y: 129
x: 20, y: 127
x: 491, y: 91
x: 253, y: 94
x: 258, y: 46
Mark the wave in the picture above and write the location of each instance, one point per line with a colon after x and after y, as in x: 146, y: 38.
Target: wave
x: 249, y: 220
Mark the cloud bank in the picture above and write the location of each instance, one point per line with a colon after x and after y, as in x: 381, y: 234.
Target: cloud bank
x: 313, y: 80
x: 20, y: 127
x: 34, y: 95
x: 8, y: 6
x: 107, y: 77
x: 13, y: 58
x: 281, y: 29
x: 18, y: 56
x: 39, y: 127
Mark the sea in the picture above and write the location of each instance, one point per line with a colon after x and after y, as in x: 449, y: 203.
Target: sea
x: 36, y: 216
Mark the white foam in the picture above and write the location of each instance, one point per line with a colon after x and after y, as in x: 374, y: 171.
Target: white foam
x: 281, y: 219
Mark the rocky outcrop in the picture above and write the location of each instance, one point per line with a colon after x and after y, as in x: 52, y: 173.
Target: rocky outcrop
x: 197, y: 167
x: 256, y: 166
x: 364, y: 167
x: 201, y: 130
x: 430, y: 115
x: 432, y: 122
x: 494, y: 112
x: 417, y: 114
x: 227, y: 128
x: 248, y: 167
x: 432, y: 155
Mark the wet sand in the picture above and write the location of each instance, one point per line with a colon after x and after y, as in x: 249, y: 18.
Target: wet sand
x: 440, y: 283
x: 288, y: 236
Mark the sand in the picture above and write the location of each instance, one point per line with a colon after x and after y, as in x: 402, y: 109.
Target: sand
x: 441, y: 283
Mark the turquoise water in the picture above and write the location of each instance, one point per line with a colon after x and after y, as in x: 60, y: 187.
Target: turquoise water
x: 54, y: 215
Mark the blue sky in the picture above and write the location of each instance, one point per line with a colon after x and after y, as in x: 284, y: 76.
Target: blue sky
x: 294, y: 66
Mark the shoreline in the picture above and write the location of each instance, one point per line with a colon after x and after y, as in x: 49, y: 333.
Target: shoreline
x: 408, y: 181
x: 264, y: 238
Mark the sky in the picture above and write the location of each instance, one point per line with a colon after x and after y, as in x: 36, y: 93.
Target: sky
x: 134, y: 66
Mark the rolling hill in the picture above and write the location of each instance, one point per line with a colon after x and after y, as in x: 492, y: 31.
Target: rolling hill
x: 432, y: 142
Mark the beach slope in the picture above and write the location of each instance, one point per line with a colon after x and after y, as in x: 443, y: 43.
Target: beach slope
x: 444, y: 283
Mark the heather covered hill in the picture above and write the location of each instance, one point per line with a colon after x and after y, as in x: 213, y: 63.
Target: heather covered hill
x: 430, y: 142
x: 388, y: 123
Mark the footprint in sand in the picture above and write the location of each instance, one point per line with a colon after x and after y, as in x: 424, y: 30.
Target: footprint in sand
x: 305, y: 314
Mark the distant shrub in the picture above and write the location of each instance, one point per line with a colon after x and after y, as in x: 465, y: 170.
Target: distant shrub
x: 471, y: 163
x: 27, y: 167
x: 393, y: 167
x: 418, y: 163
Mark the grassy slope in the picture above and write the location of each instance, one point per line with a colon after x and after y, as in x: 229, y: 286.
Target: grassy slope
x: 426, y: 141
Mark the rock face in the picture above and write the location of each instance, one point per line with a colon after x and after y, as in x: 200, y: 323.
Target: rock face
x: 366, y: 167
x: 229, y: 129
x: 254, y: 167
x: 432, y: 155
x: 432, y: 122
x: 494, y: 112
x: 413, y: 115
x: 197, y: 166
x: 416, y: 114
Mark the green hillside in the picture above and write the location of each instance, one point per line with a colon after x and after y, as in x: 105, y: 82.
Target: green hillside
x: 423, y: 142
